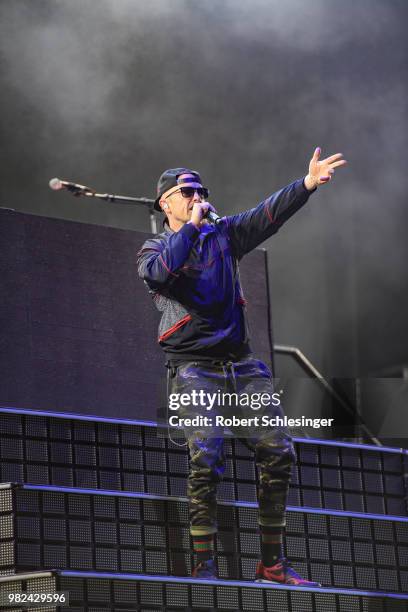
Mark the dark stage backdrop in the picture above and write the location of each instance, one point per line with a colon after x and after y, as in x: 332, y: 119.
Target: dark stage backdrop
x: 111, y: 92
x: 78, y: 326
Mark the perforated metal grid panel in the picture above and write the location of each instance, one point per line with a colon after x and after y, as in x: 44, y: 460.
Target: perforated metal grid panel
x: 34, y: 585
x: 93, y: 594
x: 122, y: 534
x: 99, y: 595
x: 70, y: 452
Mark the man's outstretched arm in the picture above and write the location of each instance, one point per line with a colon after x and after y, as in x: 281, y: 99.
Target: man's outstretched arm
x: 250, y: 228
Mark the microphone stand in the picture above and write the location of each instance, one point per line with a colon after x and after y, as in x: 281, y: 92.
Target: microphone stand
x: 108, y: 197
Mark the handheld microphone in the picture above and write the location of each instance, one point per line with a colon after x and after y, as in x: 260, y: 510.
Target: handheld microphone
x: 56, y: 184
x: 212, y: 217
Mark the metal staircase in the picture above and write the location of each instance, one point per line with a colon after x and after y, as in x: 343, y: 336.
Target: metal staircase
x: 97, y: 508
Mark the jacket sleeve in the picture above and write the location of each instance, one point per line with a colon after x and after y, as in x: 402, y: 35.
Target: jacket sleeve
x: 158, y: 261
x: 248, y: 229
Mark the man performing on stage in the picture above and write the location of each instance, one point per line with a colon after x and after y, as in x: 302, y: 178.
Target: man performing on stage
x: 191, y: 270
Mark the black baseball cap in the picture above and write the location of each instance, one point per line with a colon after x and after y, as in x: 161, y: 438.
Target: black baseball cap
x: 170, y: 178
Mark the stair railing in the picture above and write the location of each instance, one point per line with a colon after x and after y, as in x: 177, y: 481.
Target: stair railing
x: 310, y: 369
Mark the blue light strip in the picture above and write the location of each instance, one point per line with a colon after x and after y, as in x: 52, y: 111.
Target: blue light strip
x: 149, y: 496
x: 228, y: 583
x: 78, y: 417
x: 371, y: 447
x: 92, y: 417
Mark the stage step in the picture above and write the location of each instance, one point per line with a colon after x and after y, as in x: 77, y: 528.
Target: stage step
x: 132, y: 456
x: 45, y: 527
x: 106, y: 592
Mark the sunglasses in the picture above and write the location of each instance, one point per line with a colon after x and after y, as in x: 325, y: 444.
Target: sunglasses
x: 188, y: 192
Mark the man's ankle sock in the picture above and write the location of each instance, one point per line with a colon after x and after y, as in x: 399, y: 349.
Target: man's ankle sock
x: 271, y: 544
x: 204, y: 547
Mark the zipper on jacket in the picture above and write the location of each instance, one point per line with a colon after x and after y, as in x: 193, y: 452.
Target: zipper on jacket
x: 175, y: 327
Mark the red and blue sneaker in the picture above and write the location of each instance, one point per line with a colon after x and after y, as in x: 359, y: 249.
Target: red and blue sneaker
x: 205, y: 569
x: 281, y: 573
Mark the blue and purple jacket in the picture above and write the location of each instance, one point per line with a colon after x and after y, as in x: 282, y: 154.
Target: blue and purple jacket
x: 193, y: 277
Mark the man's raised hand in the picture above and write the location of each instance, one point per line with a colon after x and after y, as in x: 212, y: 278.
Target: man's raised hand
x: 321, y: 171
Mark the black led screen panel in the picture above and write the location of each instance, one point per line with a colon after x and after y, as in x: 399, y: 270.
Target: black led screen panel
x: 79, y: 327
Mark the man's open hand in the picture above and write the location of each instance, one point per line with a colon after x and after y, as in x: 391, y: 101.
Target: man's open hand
x: 321, y: 171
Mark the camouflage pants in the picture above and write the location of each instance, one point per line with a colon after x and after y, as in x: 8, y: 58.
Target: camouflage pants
x: 273, y: 448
